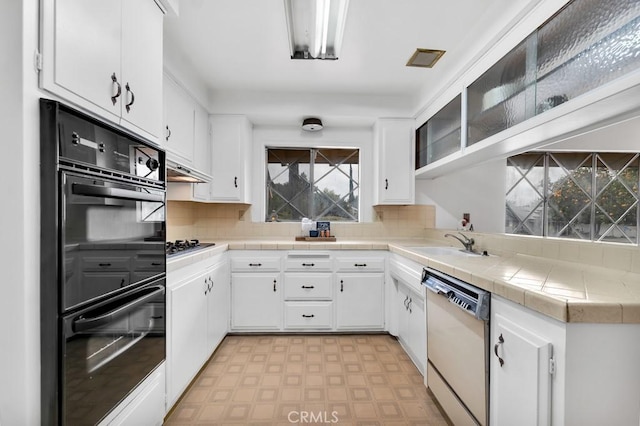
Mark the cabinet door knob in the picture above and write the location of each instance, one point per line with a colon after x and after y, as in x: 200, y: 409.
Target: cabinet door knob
x: 495, y: 349
x: 115, y: 97
x: 133, y: 97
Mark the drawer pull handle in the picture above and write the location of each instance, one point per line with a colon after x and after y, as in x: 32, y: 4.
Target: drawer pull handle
x: 255, y: 264
x: 308, y: 264
x: 359, y: 265
x: 156, y: 263
x: 307, y: 286
x: 308, y: 316
x: 495, y: 349
x: 274, y: 285
x: 341, y: 285
x: 104, y: 264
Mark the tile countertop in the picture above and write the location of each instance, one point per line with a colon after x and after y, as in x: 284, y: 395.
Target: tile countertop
x: 566, y: 291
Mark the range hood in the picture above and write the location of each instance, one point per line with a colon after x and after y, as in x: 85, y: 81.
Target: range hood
x: 176, y: 172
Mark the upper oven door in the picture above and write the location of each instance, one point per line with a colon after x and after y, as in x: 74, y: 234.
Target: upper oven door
x: 113, y: 236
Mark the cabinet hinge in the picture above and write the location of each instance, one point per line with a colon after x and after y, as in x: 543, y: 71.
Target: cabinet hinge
x: 552, y: 366
x: 37, y: 60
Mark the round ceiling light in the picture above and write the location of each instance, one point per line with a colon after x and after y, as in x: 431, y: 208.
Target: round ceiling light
x: 312, y: 124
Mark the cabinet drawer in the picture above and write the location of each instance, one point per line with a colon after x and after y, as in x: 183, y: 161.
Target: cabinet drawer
x: 308, y: 264
x: 246, y: 264
x: 105, y: 263
x: 354, y: 264
x: 308, y: 315
x: 151, y: 263
x: 307, y: 286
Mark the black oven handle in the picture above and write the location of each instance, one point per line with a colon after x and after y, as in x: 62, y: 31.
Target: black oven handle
x: 119, y: 193
x: 83, y: 323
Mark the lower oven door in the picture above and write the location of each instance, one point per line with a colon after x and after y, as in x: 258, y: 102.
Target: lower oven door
x: 108, y: 349
x: 457, y: 350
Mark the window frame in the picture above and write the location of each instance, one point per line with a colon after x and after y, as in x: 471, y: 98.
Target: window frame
x: 314, y: 152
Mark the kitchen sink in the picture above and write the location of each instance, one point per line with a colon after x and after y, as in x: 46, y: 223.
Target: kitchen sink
x: 442, y: 251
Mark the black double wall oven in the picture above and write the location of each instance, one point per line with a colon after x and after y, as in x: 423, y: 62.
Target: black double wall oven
x: 103, y: 265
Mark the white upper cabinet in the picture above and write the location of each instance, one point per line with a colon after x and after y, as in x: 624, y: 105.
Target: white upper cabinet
x: 394, y: 161
x: 105, y: 57
x: 179, y: 122
x: 141, y: 66
x: 231, y: 137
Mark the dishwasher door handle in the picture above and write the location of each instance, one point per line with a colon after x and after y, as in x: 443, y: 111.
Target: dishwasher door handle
x: 438, y: 290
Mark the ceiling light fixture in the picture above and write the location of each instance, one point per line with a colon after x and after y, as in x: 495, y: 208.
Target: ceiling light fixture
x: 425, y: 58
x: 312, y: 124
x: 315, y: 27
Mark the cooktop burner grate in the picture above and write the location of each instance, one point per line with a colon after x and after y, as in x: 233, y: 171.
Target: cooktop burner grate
x: 184, y: 246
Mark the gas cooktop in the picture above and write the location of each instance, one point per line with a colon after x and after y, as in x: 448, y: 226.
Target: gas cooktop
x: 178, y: 247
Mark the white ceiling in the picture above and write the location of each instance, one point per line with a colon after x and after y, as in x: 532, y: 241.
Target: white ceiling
x: 238, y: 49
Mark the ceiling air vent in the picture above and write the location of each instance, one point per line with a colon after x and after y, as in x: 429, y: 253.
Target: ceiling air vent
x: 425, y: 58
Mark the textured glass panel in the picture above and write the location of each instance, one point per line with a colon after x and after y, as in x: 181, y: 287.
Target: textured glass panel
x: 504, y: 95
x: 524, y: 198
x: 569, y: 197
x: 440, y: 135
x: 616, y: 197
x: 587, y: 44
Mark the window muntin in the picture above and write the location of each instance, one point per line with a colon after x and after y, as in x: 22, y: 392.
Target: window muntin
x: 317, y: 183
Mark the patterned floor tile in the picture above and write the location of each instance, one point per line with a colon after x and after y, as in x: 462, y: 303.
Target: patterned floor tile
x: 362, y: 380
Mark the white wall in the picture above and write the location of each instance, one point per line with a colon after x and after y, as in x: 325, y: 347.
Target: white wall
x: 19, y: 304
x: 293, y: 137
x: 479, y: 190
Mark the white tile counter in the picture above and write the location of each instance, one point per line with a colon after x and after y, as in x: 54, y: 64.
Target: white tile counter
x: 567, y: 291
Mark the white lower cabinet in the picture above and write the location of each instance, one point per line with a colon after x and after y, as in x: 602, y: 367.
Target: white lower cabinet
x: 256, y: 301
x: 218, y: 299
x: 197, y: 317
x: 593, y: 378
x: 520, y: 375
x: 412, y: 325
x: 408, y: 309
x: 360, y: 301
x: 187, y: 334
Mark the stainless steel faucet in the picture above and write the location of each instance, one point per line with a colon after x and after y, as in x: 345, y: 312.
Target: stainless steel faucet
x: 467, y: 242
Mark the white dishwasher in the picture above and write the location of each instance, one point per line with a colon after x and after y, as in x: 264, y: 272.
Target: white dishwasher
x: 458, y: 339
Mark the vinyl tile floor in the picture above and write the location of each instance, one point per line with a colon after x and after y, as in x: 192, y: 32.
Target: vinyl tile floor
x: 307, y: 379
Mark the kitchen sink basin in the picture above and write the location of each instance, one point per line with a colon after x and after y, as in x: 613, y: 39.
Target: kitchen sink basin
x: 442, y: 251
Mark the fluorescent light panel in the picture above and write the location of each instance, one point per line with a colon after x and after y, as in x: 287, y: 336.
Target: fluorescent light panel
x: 315, y: 27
